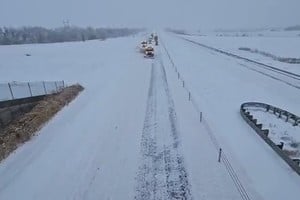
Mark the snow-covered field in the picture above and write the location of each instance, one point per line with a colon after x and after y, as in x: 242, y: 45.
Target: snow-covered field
x: 133, y: 133
x: 285, y: 47
x: 245, y: 33
x: 259, y: 33
x: 90, y: 149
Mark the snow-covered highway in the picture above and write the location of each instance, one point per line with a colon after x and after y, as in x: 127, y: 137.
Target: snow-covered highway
x: 220, y: 85
x: 134, y: 134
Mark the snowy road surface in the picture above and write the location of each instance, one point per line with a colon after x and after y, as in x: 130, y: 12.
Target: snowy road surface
x: 220, y: 85
x: 133, y: 133
x: 162, y: 174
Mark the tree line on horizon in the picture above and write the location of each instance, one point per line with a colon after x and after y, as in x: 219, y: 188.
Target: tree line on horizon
x: 28, y: 35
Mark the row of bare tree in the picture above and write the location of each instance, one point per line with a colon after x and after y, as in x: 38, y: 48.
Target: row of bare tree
x: 26, y: 35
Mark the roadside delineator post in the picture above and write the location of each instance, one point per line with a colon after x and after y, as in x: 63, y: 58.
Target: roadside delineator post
x: 220, y: 155
x: 200, y: 116
x: 189, y: 96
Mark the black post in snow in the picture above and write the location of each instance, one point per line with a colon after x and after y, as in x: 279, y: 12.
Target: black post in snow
x: 220, y: 154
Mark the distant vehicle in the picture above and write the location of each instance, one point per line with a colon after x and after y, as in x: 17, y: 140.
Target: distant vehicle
x: 144, y: 44
x: 149, y: 52
x: 156, y: 40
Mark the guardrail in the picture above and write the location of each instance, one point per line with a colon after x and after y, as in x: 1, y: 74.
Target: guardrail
x: 17, y: 90
x: 263, y: 133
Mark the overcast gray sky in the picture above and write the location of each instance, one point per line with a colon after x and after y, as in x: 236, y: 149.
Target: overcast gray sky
x: 199, y: 14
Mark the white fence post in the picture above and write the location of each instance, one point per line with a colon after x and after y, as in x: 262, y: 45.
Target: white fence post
x: 29, y: 89
x: 56, y: 87
x: 44, y: 87
x: 11, y: 92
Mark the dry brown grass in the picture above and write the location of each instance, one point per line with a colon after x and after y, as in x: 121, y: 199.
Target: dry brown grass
x: 23, y: 129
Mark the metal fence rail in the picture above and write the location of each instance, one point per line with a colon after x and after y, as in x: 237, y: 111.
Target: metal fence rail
x: 289, y: 117
x: 17, y: 90
x: 293, y: 163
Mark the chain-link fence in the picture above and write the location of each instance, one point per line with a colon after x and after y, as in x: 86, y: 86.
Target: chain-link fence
x: 16, y: 90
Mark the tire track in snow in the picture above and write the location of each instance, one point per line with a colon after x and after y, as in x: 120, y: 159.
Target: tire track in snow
x: 161, y: 174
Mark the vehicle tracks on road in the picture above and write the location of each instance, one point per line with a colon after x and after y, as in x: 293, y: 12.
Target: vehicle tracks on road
x: 161, y: 174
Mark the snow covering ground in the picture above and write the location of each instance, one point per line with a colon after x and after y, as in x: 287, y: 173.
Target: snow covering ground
x: 245, y: 33
x: 261, y: 33
x: 279, y: 130
x: 133, y: 133
x: 285, y: 47
x: 220, y: 85
x: 90, y: 149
